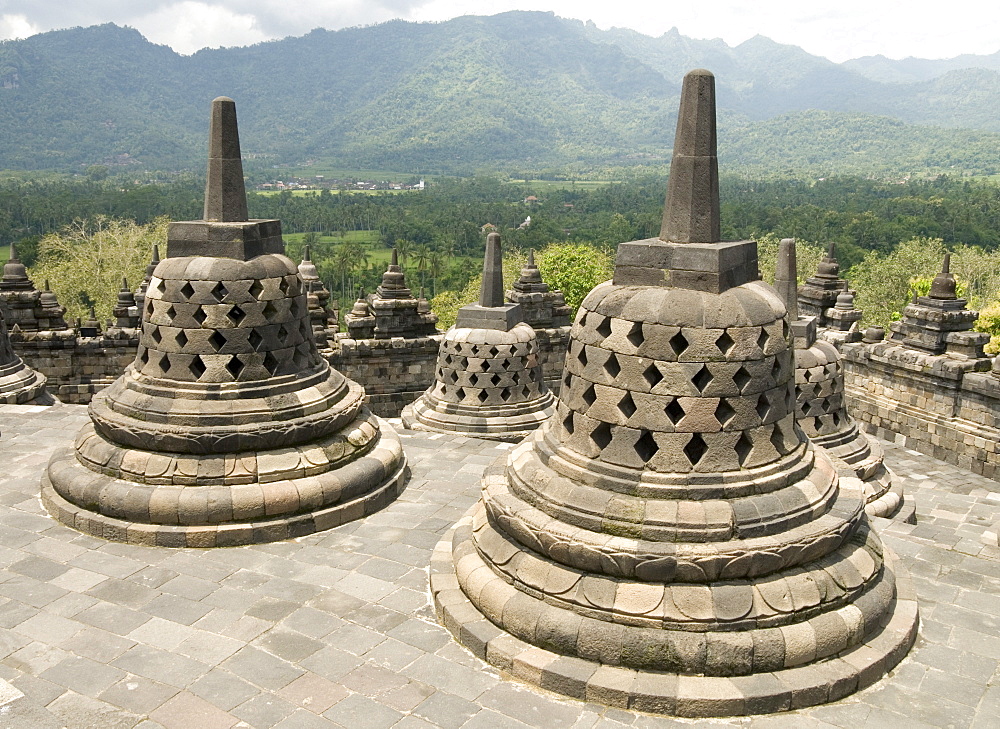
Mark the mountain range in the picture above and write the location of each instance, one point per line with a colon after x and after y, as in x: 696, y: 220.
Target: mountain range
x: 520, y: 90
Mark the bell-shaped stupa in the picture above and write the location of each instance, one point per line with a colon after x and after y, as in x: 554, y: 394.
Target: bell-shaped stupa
x: 488, y: 382
x: 822, y: 408
x: 228, y: 428
x: 669, y: 540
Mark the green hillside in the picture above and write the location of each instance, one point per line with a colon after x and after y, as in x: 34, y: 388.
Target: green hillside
x: 520, y: 90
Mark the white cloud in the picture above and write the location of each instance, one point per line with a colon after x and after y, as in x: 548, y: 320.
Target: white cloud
x: 16, y: 26
x: 837, y: 29
x: 189, y: 26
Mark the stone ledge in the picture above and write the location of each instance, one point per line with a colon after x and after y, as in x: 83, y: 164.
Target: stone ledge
x: 663, y: 693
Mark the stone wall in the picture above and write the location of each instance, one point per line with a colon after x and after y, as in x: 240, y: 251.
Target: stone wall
x: 935, y: 404
x: 393, y: 371
x: 77, y: 367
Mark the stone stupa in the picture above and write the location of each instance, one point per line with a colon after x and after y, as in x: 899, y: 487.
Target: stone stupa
x: 19, y: 384
x: 488, y: 381
x: 228, y: 428
x: 822, y: 408
x: 670, y: 541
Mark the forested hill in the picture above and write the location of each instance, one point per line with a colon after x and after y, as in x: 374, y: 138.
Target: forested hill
x: 521, y: 89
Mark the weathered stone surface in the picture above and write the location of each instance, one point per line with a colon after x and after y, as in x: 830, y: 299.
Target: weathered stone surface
x: 228, y: 427
x: 671, y: 520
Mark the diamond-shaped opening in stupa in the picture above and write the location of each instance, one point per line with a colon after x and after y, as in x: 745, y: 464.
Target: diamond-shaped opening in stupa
x: 568, y: 423
x: 635, y: 335
x: 762, y: 339
x: 271, y: 363
x: 602, y: 435
x: 679, y: 343
x: 197, y: 367
x: 675, y: 411
x: 743, y: 447
x: 702, y: 378
x: 652, y: 375
x: 725, y: 342
x: 612, y: 367
x: 695, y: 449
x: 778, y: 439
x: 763, y: 406
x: 627, y: 406
x: 724, y: 412
x: 646, y: 447
x: 742, y: 378
x: 235, y: 366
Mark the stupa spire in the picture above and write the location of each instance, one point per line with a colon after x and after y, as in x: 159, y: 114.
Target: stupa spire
x: 225, y: 193
x: 786, y: 277
x: 691, y: 214
x: 491, y: 292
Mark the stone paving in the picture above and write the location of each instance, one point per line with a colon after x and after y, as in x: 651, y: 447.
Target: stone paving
x: 335, y: 629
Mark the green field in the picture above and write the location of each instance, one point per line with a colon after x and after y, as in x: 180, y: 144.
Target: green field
x: 305, y: 193
x: 541, y: 185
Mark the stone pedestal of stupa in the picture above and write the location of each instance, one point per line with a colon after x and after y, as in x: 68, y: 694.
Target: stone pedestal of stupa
x: 940, y: 323
x: 488, y: 381
x: 670, y: 541
x: 228, y: 428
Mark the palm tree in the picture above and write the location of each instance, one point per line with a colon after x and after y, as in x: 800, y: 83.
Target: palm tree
x: 421, y: 254
x: 435, y: 265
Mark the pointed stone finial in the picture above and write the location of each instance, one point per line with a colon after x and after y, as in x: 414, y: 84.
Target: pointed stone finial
x: 395, y: 258
x: 691, y: 214
x: 307, y: 269
x: 47, y: 285
x: 225, y: 193
x: 491, y: 293
x: 125, y: 284
x: 786, y: 278
x: 943, y: 286
x: 156, y: 254
x: 15, y: 275
x: 530, y: 275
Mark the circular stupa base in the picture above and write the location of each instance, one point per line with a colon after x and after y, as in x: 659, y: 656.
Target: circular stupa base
x: 368, y: 484
x: 23, y: 386
x: 508, y: 424
x: 670, y: 693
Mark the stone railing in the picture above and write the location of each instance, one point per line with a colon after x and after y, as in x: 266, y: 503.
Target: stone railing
x: 941, y: 405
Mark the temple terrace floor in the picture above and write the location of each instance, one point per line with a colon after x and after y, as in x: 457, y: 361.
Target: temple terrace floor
x: 336, y: 629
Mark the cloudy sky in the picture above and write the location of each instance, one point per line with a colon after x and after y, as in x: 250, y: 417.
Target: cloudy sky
x: 839, y: 30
